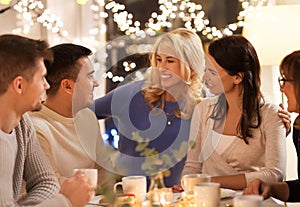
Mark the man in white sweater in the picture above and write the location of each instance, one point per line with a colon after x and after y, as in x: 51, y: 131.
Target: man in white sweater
x: 67, y: 130
x: 22, y: 83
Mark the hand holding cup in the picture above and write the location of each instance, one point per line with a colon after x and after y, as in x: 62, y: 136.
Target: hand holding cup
x: 77, y: 189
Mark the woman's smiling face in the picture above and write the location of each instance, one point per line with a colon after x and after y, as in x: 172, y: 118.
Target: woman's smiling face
x: 216, y: 78
x: 169, y: 67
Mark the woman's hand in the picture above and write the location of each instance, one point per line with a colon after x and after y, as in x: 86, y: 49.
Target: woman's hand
x: 286, y: 118
x: 177, y: 189
x: 257, y: 187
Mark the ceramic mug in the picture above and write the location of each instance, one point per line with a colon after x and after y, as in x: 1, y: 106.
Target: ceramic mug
x: 190, y: 180
x: 207, y: 194
x: 91, y: 174
x: 136, y: 185
x: 247, y: 201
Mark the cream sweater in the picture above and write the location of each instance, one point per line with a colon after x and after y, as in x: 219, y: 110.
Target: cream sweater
x: 26, y: 161
x: 264, y: 157
x: 71, y: 143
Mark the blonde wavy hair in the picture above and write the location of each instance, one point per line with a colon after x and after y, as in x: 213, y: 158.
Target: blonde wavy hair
x: 187, y: 47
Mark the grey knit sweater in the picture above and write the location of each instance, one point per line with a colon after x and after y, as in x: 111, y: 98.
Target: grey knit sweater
x: 31, y: 165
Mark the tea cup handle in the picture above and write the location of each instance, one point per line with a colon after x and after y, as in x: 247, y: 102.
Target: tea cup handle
x: 116, y: 185
x: 181, y: 183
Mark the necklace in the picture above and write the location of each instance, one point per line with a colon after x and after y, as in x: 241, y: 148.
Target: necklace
x: 170, y: 113
x: 170, y: 117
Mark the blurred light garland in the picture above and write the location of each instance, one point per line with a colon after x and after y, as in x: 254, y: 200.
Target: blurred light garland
x: 32, y: 11
x: 190, y: 13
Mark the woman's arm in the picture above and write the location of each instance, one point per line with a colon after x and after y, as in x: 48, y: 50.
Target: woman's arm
x: 274, y: 135
x: 112, y: 104
x: 103, y: 106
x: 279, y: 190
x: 235, y: 182
x: 293, y: 190
x: 192, y: 163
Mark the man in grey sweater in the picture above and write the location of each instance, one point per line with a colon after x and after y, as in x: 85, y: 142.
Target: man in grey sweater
x: 22, y: 83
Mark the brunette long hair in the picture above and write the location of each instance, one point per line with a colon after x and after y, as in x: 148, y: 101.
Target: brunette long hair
x: 237, y: 55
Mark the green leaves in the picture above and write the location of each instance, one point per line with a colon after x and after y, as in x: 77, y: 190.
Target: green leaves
x: 182, y: 151
x: 156, y: 162
x: 166, y: 159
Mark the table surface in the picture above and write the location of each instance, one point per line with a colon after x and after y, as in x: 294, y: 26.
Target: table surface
x: 270, y: 202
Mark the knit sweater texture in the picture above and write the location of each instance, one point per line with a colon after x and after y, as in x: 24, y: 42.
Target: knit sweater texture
x: 30, y: 164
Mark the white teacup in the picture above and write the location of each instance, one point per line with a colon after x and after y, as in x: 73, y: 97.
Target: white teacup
x: 91, y: 174
x: 207, y: 194
x: 190, y: 180
x: 247, y: 201
x: 136, y: 185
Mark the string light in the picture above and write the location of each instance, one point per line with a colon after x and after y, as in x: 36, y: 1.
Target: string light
x: 190, y: 13
x: 5, y: 2
x: 99, y: 27
x: 82, y: 2
x: 32, y: 11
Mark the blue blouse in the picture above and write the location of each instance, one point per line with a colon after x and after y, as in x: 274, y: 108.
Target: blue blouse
x: 130, y: 112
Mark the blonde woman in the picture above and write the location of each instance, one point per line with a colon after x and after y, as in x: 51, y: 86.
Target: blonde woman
x: 160, y: 107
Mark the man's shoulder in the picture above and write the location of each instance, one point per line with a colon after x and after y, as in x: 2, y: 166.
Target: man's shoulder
x: 25, y: 123
x: 44, y: 122
x: 24, y: 129
x: 208, y: 101
x: 38, y: 118
x: 86, y: 117
x: 86, y: 113
x: 269, y: 112
x: 37, y: 115
x: 47, y: 116
x: 268, y: 106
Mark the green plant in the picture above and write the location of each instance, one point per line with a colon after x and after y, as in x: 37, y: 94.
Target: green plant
x: 156, y: 162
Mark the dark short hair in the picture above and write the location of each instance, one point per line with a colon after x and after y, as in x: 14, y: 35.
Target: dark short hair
x: 291, y: 66
x: 18, y: 57
x: 64, y: 65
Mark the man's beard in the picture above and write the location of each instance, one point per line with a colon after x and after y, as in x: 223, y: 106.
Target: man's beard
x: 37, y: 107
